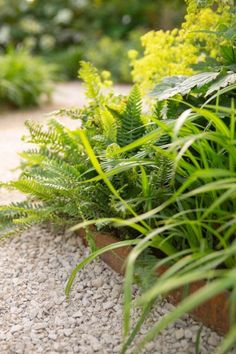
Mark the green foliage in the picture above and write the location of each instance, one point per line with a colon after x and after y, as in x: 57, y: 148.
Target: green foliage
x: 198, y: 219
x: 62, y: 23
x: 129, y: 121
x: 165, y: 177
x: 24, y: 79
x: 111, y: 54
x: 183, y: 85
x: 106, y: 54
x: 57, y: 172
x: 60, y: 174
x: 66, y: 61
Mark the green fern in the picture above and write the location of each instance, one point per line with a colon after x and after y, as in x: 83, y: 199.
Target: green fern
x: 40, y: 137
x: 19, y: 216
x: 130, y: 123
x: 65, y: 135
x: 92, y: 81
x: 56, y: 173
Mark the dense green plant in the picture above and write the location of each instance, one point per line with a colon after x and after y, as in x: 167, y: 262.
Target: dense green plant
x: 169, y: 184
x: 195, y: 225
x: 24, y: 79
x: 111, y: 122
x: 198, y: 219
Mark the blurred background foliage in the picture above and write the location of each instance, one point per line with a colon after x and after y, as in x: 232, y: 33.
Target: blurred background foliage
x: 67, y: 31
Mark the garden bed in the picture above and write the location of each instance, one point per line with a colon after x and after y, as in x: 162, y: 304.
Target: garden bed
x: 214, y: 313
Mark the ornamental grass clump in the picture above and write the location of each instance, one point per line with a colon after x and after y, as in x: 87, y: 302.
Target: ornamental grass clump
x: 24, y: 79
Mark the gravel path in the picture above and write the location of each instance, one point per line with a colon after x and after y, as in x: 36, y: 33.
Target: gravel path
x: 35, y: 317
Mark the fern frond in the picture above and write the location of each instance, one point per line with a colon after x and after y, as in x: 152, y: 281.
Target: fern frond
x: 163, y: 175
x: 109, y: 126
x: 130, y: 125
x: 17, y: 217
x: 36, y: 189
x: 41, y: 137
x: 65, y: 135
x: 33, y: 158
x: 92, y: 81
x: 63, y: 170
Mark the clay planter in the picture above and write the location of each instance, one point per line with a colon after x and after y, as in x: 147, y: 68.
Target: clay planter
x: 214, y: 313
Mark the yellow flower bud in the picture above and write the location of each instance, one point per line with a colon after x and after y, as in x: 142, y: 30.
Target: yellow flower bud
x: 132, y: 54
x: 106, y: 74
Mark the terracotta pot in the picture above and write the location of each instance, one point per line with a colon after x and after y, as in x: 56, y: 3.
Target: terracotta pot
x: 213, y: 313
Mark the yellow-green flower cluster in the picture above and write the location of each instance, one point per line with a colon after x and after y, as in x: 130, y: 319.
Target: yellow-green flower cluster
x: 168, y: 53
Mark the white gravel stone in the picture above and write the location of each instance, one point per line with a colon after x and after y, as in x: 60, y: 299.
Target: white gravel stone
x: 179, y: 333
x: 41, y: 278
x: 68, y: 332
x: 108, y: 305
x: 77, y: 314
x: 213, y: 339
x: 98, y: 282
x: 52, y: 336
x: 188, y: 334
x: 16, y: 328
x: 2, y: 336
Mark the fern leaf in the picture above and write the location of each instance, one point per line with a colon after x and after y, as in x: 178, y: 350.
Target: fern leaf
x: 41, y: 137
x: 64, y: 134
x: 109, y: 126
x: 33, y: 188
x: 131, y: 126
x: 92, y: 81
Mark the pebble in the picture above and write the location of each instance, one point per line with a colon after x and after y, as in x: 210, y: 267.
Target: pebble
x: 108, y: 305
x: 77, y: 314
x: 68, y: 332
x: 59, y: 300
x: 179, y: 333
x: 150, y: 346
x: 188, y: 334
x: 58, y: 347
x: 15, y: 328
x: 33, y: 314
x: 41, y: 278
x: 52, y: 336
x: 40, y: 326
x: 2, y: 336
x: 213, y: 339
x: 98, y: 282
